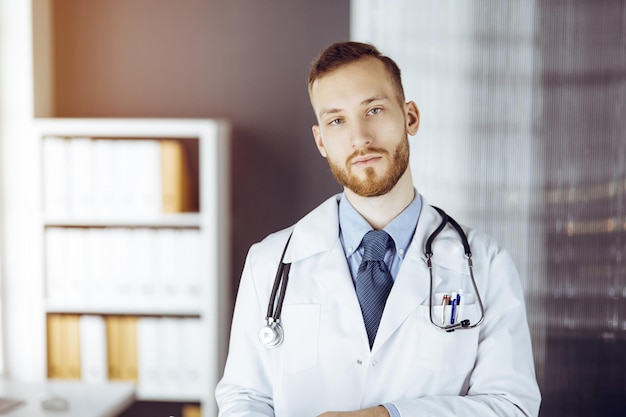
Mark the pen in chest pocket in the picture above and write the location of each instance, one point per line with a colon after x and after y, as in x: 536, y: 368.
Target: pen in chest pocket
x: 444, y: 302
x: 456, y: 301
x: 456, y: 310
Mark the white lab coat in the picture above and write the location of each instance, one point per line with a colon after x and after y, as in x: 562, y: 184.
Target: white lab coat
x: 325, y: 363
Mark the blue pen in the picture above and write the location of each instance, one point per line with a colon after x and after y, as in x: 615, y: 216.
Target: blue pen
x: 453, y: 310
x: 460, y: 307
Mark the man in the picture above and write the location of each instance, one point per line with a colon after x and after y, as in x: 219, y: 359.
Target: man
x: 359, y: 334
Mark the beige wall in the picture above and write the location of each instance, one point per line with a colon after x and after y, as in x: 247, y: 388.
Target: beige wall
x: 245, y: 60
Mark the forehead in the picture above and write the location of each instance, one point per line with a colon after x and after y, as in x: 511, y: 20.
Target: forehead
x: 353, y: 82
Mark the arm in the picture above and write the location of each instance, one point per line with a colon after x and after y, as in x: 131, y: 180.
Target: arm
x: 246, y: 363
x: 379, y: 411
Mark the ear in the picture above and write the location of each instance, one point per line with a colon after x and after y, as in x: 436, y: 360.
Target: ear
x: 318, y: 140
x: 412, y: 118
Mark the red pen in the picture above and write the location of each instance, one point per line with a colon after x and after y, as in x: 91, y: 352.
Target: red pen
x: 444, y: 302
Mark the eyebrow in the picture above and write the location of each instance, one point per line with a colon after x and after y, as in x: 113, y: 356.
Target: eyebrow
x: 365, y: 102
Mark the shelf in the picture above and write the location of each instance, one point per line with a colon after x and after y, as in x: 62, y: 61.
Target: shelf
x: 123, y: 311
x: 132, y: 240
x: 179, y: 220
x: 165, y: 397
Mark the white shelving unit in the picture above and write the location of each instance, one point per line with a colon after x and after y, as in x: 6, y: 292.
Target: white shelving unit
x: 199, y: 310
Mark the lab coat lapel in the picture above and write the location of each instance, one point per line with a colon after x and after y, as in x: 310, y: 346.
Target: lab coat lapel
x: 333, y: 274
x: 412, y: 285
x: 317, y: 234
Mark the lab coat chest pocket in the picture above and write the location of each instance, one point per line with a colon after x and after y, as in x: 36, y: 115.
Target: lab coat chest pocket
x: 441, y: 351
x: 447, y: 352
x: 300, y: 348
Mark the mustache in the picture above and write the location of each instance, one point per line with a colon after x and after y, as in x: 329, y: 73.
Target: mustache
x: 366, y: 151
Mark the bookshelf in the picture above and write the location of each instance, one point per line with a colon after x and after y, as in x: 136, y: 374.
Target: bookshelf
x: 134, y: 236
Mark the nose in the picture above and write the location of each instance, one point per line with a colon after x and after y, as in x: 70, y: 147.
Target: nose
x: 360, y: 135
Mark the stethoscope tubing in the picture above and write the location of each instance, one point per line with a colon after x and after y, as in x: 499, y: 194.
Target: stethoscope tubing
x: 463, y: 324
x: 271, y: 334
x: 281, y: 280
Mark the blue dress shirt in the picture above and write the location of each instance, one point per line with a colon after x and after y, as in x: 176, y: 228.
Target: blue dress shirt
x: 352, y: 228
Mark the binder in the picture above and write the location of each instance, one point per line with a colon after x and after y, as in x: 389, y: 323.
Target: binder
x: 105, y: 175
x: 129, y: 368
x: 93, y: 349
x: 56, y: 248
x: 122, y: 348
x: 112, y: 324
x: 63, y: 346
x: 81, y: 177
x: 119, y: 257
x: 99, y: 292
x: 149, y: 358
x: 54, y: 354
x: 147, y: 177
x: 55, y: 176
x: 126, y: 161
x: 191, y: 281
x: 193, y: 358
x: 71, y: 351
x: 141, y: 266
x: 170, y: 330
x: 168, y: 285
x: 76, y: 266
x: 176, y: 178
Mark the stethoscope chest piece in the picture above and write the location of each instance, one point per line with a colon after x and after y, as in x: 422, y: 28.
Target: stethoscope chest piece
x: 271, y: 335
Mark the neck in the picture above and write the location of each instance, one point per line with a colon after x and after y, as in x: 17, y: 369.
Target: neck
x: 380, y: 211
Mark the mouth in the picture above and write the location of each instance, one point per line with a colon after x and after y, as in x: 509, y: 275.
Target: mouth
x: 365, y: 160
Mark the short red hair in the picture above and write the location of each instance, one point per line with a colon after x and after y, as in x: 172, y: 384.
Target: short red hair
x: 343, y: 53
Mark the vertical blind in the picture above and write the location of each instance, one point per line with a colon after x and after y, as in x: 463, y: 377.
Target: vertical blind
x: 523, y: 135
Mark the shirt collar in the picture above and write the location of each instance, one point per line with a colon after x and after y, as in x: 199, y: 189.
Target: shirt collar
x: 401, y: 229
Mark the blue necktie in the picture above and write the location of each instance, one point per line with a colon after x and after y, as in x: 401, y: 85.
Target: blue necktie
x: 373, y: 281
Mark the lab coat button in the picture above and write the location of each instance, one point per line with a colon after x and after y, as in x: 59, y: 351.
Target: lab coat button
x: 359, y: 362
x: 374, y: 363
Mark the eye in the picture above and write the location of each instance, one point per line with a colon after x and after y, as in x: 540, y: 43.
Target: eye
x: 375, y: 110
x: 335, y: 122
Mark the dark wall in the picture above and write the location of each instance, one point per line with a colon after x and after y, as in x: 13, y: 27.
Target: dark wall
x: 581, y: 128
x: 243, y: 60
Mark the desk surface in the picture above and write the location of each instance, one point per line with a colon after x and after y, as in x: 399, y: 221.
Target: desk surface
x: 83, y: 400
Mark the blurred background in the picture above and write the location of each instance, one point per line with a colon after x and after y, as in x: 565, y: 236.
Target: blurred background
x: 523, y: 131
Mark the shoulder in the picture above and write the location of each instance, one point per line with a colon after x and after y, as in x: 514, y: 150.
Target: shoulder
x: 483, y: 247
x: 480, y: 243
x: 312, y: 229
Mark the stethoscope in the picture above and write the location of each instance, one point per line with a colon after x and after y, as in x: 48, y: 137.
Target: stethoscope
x: 463, y: 324
x: 272, y: 335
